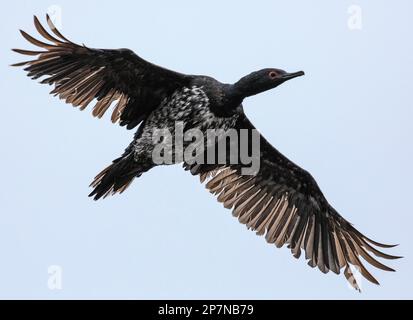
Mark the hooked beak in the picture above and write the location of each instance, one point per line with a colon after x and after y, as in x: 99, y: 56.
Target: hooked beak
x: 289, y: 76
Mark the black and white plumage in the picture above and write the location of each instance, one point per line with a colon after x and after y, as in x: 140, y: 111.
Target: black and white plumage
x: 282, y: 201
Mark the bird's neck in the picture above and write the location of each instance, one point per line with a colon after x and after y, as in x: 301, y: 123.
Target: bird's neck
x: 244, y: 89
x: 233, y: 97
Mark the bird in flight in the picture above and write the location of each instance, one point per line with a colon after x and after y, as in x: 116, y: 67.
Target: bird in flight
x: 280, y: 201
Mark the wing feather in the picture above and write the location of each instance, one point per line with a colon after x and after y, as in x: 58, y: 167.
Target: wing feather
x: 284, y: 203
x: 81, y: 75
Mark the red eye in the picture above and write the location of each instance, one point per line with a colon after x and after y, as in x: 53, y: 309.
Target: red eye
x: 273, y: 74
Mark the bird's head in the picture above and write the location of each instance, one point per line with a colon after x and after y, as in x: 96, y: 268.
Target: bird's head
x: 263, y: 80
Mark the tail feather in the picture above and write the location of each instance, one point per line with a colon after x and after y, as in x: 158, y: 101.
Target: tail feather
x: 116, y: 178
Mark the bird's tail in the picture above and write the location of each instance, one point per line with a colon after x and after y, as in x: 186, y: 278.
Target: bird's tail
x: 116, y: 178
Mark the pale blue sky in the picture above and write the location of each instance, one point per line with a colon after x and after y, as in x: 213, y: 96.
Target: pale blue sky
x: 349, y: 122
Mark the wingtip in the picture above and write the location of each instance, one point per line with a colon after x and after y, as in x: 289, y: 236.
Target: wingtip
x: 36, y: 20
x: 93, y: 196
x: 378, y: 244
x: 24, y: 34
x: 26, y: 52
x: 50, y: 22
x: 390, y: 245
x: 19, y: 64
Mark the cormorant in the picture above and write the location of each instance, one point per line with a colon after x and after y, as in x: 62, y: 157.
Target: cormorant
x: 281, y: 201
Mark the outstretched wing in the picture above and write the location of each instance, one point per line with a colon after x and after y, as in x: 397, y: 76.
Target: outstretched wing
x: 81, y: 75
x: 284, y: 203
